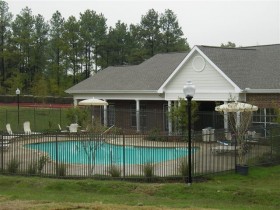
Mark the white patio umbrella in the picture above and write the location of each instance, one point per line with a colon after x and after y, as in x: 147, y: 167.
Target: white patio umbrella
x: 92, y: 102
x: 236, y: 107
x: 239, y: 122
x: 240, y: 115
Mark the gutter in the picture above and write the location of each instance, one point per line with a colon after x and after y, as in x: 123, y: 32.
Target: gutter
x: 249, y: 90
x: 113, y: 91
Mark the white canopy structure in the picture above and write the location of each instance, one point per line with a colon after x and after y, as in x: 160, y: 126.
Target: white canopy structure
x: 236, y: 107
x: 93, y: 102
x: 240, y: 115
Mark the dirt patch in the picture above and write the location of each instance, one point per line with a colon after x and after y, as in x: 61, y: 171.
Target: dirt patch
x: 37, y: 105
x: 41, y: 205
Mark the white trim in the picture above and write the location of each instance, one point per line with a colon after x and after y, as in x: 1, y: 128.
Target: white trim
x: 201, y: 92
x: 237, y: 89
x: 105, y: 114
x: 137, y: 115
x: 205, y: 97
x: 161, y: 89
x: 261, y: 91
x: 112, y: 91
x: 155, y: 97
x: 195, y: 67
x: 169, y: 121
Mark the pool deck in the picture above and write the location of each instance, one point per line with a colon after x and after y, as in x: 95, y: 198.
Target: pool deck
x: 204, y: 161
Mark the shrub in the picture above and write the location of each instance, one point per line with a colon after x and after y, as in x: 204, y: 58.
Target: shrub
x: 42, y: 162
x: 12, y: 166
x: 154, y: 135
x: 148, y: 170
x: 267, y: 159
x: 32, y: 168
x: 61, y: 169
x: 114, y: 171
x: 78, y: 115
x: 183, y: 167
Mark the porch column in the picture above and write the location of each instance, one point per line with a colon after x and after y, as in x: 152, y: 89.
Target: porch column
x: 169, y: 120
x: 225, y: 119
x: 227, y: 134
x: 138, y: 115
x: 75, y: 102
x: 105, y: 115
x: 238, y: 119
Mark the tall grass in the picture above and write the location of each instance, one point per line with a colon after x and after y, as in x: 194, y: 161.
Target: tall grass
x: 13, y: 166
x: 259, y: 190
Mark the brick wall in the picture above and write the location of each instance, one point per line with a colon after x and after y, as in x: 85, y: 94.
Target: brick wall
x: 264, y: 100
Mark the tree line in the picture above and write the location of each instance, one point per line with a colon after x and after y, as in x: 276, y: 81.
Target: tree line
x: 46, y: 57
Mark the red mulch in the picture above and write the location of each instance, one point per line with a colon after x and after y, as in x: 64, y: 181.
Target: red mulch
x: 43, y: 105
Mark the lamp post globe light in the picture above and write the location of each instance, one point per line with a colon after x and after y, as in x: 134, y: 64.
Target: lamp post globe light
x: 17, y: 93
x: 189, y: 91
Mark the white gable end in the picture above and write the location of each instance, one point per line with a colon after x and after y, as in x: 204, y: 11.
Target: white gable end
x: 211, y: 84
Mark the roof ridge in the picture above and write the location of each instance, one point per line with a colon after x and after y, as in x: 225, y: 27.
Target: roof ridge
x: 168, y: 53
x: 225, y: 48
x: 266, y: 45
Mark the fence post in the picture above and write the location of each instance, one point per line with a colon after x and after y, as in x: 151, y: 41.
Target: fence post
x: 2, y: 154
x: 34, y: 116
x: 123, y: 156
x: 56, y: 155
x: 60, y: 116
x: 235, y: 153
x: 6, y: 116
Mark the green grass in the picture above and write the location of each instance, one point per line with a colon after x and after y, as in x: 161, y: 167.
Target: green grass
x: 41, y: 119
x: 258, y: 190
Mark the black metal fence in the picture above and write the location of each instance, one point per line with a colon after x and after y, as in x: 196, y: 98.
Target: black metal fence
x: 41, y: 119
x: 47, y: 119
x: 138, y: 156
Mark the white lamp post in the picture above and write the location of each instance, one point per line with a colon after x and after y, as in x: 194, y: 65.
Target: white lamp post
x: 189, y: 91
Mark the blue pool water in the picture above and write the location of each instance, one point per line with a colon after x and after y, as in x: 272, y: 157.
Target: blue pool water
x: 86, y: 152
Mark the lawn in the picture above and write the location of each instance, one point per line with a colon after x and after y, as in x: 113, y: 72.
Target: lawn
x: 258, y: 190
x: 41, y: 119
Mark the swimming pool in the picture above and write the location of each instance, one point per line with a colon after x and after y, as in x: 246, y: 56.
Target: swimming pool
x: 96, y: 152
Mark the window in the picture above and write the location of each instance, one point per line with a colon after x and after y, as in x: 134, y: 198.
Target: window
x: 111, y: 115
x: 264, y: 115
x: 165, y: 116
x: 143, y: 116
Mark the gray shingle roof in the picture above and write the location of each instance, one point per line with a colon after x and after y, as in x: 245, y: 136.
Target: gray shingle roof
x: 249, y: 67
x: 147, y: 76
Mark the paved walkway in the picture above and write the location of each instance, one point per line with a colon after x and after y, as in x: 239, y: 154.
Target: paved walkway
x: 204, y: 161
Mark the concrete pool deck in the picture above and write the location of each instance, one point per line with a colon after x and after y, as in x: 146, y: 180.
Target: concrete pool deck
x: 204, y: 161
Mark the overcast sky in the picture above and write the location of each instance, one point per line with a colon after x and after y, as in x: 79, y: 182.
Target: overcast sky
x: 204, y: 22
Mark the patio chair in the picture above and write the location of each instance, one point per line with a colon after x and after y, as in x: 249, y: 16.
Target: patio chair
x: 4, y: 144
x: 27, y: 129
x: 9, y: 129
x: 224, y: 149
x: 73, y: 128
x: 62, y: 131
x: 225, y: 146
x: 227, y: 142
x: 10, y: 132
